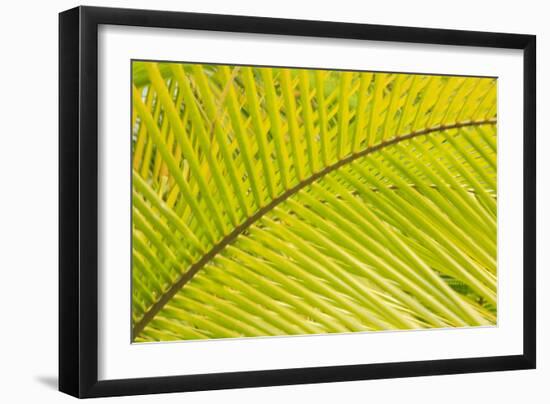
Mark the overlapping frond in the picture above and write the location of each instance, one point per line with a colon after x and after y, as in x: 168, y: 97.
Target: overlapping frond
x: 273, y: 201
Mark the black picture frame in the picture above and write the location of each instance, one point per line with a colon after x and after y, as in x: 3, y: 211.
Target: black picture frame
x: 78, y: 201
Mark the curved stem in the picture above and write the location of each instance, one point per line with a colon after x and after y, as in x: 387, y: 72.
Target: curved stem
x: 187, y: 276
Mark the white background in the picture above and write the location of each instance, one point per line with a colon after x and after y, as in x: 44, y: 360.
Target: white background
x: 28, y: 211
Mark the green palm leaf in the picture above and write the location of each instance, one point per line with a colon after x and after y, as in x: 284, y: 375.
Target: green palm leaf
x: 273, y: 201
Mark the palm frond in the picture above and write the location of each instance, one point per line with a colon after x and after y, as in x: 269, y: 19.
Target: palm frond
x: 275, y: 201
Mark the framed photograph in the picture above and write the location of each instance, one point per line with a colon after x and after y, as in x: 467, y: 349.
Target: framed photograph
x: 251, y: 201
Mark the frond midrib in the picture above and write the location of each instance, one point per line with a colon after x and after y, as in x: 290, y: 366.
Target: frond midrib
x: 229, y: 238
